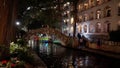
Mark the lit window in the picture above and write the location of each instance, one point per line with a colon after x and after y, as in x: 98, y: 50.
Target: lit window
x: 98, y: 14
x: 85, y: 28
x: 80, y: 18
x: 91, y: 28
x: 72, y: 20
x: 98, y: 27
x: 85, y: 17
x: 91, y: 16
x: 98, y: 2
x: 86, y: 6
x: 68, y: 3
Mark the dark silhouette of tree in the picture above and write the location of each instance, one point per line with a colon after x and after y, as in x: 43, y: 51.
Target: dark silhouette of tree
x: 44, y: 11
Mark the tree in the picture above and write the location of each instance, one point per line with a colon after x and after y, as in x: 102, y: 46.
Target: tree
x: 42, y: 11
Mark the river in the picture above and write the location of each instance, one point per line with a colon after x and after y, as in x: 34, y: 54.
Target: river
x: 56, y: 56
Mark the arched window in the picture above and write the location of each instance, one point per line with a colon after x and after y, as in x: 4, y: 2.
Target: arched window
x: 79, y: 28
x: 80, y: 18
x: 91, y: 28
x: 98, y: 27
x: 107, y: 12
x: 86, y: 17
x: 85, y: 28
x: 99, y: 2
x: 92, y: 2
x: 106, y: 26
x: 91, y: 16
x: 98, y: 14
x: 85, y: 5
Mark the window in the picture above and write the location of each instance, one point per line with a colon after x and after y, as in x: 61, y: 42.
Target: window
x: 106, y: 26
x: 80, y: 18
x: 99, y: 2
x: 98, y: 14
x: 92, y: 3
x: 107, y: 12
x: 98, y: 27
x: 86, y: 6
x: 91, y: 16
x: 91, y: 28
x: 85, y: 28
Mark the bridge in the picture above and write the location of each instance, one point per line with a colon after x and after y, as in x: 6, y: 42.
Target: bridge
x: 62, y: 38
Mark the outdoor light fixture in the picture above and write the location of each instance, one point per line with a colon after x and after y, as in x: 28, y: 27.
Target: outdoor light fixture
x: 28, y: 8
x: 17, y: 23
x: 68, y: 3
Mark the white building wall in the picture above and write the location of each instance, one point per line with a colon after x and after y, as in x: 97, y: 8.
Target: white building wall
x: 113, y: 19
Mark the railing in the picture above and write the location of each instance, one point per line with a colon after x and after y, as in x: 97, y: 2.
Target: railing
x: 110, y: 43
x: 59, y: 35
x: 110, y: 46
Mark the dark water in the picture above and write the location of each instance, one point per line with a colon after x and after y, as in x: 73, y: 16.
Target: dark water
x: 56, y: 56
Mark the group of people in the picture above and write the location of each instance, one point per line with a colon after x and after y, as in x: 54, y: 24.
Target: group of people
x: 81, y: 40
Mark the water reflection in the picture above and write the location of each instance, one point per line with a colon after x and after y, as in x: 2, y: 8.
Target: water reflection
x: 56, y: 56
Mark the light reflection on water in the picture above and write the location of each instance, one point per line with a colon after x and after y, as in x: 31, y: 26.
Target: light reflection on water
x: 66, y: 58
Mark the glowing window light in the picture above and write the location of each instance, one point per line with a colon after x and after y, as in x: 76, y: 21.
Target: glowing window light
x: 71, y: 29
x: 67, y: 20
x: 72, y: 20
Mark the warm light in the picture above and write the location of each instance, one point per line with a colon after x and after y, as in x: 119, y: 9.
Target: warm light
x: 68, y: 3
x: 79, y: 6
x: 85, y: 4
x: 119, y: 4
x: 68, y: 12
x: 67, y: 20
x: 67, y: 28
x: 64, y: 20
x: 65, y: 5
x: 71, y: 29
x: 72, y: 20
x: 64, y: 13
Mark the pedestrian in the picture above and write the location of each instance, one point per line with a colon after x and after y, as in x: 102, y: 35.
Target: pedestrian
x: 79, y: 39
x: 79, y: 36
x: 98, y: 43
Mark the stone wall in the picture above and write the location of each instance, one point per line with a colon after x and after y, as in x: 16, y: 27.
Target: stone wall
x: 106, y: 47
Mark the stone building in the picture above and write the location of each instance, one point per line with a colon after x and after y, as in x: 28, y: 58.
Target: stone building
x: 98, y: 17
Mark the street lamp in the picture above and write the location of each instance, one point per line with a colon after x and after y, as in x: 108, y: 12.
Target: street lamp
x: 17, y: 23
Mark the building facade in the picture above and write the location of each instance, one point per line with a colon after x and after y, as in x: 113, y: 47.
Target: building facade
x: 67, y: 18
x: 98, y: 17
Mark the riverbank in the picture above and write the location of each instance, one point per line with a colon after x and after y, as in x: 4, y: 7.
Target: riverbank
x: 96, y: 51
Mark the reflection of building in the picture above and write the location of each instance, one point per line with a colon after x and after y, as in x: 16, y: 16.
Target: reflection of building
x: 7, y: 16
x: 98, y: 17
